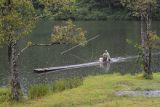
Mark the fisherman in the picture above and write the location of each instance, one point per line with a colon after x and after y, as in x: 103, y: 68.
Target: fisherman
x: 105, y: 61
x: 106, y: 57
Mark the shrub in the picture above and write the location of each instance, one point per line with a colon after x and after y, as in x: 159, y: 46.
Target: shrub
x: 38, y: 90
x: 4, y: 94
x: 61, y: 85
x: 148, y: 76
x: 73, y: 83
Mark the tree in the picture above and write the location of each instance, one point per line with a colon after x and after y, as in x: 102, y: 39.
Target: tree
x: 68, y: 33
x: 17, y: 19
x: 143, y: 10
x: 61, y: 9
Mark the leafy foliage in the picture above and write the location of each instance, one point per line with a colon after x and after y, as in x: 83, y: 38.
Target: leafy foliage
x: 138, y: 7
x: 152, y: 42
x: 153, y: 39
x: 68, y: 33
x: 16, y: 21
x: 59, y: 7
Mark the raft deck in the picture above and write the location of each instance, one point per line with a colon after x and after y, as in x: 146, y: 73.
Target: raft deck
x: 54, y: 69
x: 42, y: 70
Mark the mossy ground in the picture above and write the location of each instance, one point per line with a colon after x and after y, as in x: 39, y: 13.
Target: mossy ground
x: 98, y: 91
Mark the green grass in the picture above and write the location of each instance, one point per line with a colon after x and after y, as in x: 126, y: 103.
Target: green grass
x: 97, y: 91
x: 66, y: 84
x: 40, y: 90
x: 4, y: 94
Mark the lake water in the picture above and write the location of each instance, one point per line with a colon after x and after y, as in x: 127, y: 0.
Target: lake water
x: 113, y: 35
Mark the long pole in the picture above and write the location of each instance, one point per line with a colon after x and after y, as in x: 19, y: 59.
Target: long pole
x: 79, y: 44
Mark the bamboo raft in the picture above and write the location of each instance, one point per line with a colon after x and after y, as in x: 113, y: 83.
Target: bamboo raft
x: 42, y: 70
x: 54, y: 69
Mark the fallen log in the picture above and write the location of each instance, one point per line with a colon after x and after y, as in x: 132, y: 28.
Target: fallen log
x: 54, y: 69
x: 42, y: 70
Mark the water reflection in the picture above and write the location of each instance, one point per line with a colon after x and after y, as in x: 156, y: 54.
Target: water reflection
x: 105, y: 66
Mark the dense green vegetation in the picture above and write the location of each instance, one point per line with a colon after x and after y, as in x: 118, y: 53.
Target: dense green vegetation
x: 39, y: 90
x: 98, y: 91
x: 4, y: 94
x: 93, y: 10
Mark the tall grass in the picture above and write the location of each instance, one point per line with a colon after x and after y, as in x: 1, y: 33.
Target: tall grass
x: 4, y: 94
x: 39, y: 90
x: 66, y: 84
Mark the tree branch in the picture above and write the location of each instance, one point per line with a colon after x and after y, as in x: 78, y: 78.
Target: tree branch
x: 33, y: 45
x: 50, y: 44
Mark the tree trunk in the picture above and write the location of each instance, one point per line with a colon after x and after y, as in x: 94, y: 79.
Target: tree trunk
x: 146, y: 49
x: 148, y: 25
x: 147, y: 65
x: 8, y: 4
x: 9, y: 53
x: 15, y: 86
x: 142, y: 33
x: 150, y: 59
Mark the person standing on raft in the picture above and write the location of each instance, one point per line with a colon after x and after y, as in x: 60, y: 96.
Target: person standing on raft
x: 105, y: 57
x: 105, y: 61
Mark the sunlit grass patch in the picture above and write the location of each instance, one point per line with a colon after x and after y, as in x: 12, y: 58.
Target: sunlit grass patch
x: 4, y: 94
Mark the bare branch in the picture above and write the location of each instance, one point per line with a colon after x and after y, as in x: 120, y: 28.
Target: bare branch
x: 50, y: 44
x: 33, y: 45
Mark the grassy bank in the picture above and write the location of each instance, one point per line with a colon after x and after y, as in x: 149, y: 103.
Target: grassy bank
x: 98, y: 91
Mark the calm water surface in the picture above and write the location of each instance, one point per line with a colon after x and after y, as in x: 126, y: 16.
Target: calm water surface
x: 113, y: 35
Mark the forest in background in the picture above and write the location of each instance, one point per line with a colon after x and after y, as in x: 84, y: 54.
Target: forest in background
x: 93, y: 10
